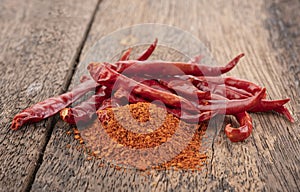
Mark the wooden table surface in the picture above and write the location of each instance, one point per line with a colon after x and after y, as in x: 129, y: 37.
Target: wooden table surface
x: 42, y: 42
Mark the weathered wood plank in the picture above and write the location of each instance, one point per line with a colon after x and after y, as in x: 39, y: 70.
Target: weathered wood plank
x: 268, y: 160
x: 39, y: 42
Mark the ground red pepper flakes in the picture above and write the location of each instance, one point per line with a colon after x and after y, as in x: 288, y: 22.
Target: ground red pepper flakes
x: 152, y: 127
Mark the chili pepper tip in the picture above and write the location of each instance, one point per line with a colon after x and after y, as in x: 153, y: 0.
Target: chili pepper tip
x: 15, y: 125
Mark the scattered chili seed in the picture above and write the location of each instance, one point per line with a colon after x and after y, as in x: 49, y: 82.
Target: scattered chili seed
x: 77, y: 137
x: 75, y: 131
x: 69, y: 132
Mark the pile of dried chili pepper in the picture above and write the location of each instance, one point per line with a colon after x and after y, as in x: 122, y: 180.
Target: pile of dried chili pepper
x: 172, y: 83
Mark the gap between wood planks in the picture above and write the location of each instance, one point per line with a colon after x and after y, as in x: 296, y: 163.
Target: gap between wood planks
x: 53, y: 120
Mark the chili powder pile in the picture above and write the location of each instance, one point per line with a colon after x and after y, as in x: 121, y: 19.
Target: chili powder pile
x: 150, y: 126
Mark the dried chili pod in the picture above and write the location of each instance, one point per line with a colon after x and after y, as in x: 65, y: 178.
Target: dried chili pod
x: 231, y: 107
x: 166, y: 68
x: 51, y: 106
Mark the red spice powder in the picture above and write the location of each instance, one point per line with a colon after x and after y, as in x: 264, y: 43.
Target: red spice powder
x: 144, y: 126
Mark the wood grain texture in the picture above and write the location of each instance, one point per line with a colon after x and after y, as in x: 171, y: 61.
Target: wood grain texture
x: 267, y: 161
x: 39, y: 42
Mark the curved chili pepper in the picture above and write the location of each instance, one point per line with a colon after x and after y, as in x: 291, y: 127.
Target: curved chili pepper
x: 86, y: 110
x: 165, y: 68
x: 125, y: 55
x: 244, y: 131
x: 108, y: 77
x: 231, y: 107
x: 146, y: 54
x: 52, y: 105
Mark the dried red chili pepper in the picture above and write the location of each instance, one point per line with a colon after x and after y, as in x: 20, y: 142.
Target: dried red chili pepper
x: 146, y: 54
x: 86, y: 110
x: 244, y: 131
x: 51, y: 106
x: 231, y: 107
x: 165, y: 68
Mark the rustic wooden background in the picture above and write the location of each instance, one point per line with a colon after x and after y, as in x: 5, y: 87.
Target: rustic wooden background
x: 42, y: 42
